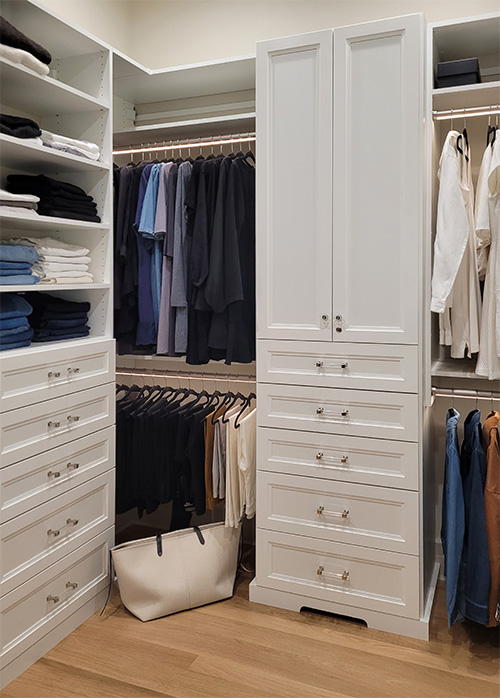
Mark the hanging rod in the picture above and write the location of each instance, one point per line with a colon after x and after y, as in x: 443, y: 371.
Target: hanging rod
x: 465, y: 394
x: 468, y: 112
x: 222, y: 378
x: 193, y: 143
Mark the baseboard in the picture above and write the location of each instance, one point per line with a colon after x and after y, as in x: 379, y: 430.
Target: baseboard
x: 410, y: 627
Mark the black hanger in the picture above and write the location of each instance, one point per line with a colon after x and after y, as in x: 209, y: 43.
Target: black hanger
x: 459, y: 139
x: 245, y: 405
x: 226, y: 400
x: 238, y: 396
x: 491, y: 130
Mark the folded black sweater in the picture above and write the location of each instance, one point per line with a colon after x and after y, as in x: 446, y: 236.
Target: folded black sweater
x: 44, y: 302
x: 11, y: 36
x: 19, y: 127
x: 42, y: 185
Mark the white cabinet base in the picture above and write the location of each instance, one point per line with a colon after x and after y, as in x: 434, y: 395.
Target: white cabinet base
x: 419, y: 629
x: 51, y: 639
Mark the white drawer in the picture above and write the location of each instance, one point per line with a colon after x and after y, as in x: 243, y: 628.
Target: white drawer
x: 326, y: 364
x: 48, y: 371
x: 332, y: 411
x: 38, y: 479
x: 335, y: 457
x: 373, y: 579
x: 34, y: 540
x: 28, y: 431
x: 375, y: 517
x: 35, y: 608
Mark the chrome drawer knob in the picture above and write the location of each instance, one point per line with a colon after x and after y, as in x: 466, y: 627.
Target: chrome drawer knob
x: 53, y: 374
x: 54, y: 599
x: 53, y: 425
x: 71, y: 585
x: 53, y: 473
x: 71, y: 522
x: 72, y: 466
x: 71, y: 419
x: 73, y: 370
x: 53, y: 532
x: 325, y: 317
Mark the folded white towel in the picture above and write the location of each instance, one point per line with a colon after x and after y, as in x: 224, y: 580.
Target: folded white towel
x: 9, y: 196
x: 72, y: 150
x: 18, y: 209
x: 64, y: 260
x: 60, y: 269
x: 57, y: 139
x: 49, y: 246
x: 28, y: 60
x: 67, y: 280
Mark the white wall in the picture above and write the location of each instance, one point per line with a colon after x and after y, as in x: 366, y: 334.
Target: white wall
x: 161, y: 33
x: 176, y: 32
x: 108, y: 20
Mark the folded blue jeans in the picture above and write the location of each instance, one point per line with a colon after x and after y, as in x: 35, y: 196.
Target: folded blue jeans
x: 25, y: 271
x: 19, y: 266
x: 20, y: 280
x: 13, y: 330
x: 13, y: 305
x: 9, y: 323
x: 21, y: 336
x: 18, y: 253
x: 62, y: 337
x: 15, y: 345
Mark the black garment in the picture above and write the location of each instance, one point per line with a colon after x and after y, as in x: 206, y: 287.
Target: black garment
x: 19, y: 127
x: 41, y: 184
x: 11, y: 36
x: 43, y: 302
x: 82, y: 329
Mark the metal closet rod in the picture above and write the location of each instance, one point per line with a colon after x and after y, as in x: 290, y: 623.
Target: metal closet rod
x: 465, y: 394
x: 221, y: 379
x: 468, y: 112
x: 189, y: 143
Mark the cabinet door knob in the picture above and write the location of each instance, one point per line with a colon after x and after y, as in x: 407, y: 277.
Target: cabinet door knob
x: 325, y: 317
x: 54, y: 599
x: 338, y: 318
x: 319, y: 364
x: 338, y: 329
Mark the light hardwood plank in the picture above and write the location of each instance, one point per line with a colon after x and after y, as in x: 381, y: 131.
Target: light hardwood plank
x: 236, y: 649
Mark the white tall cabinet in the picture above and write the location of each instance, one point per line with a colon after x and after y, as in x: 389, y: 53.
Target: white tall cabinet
x: 57, y: 399
x: 339, y: 324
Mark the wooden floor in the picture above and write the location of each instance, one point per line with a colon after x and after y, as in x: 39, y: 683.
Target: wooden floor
x: 236, y: 649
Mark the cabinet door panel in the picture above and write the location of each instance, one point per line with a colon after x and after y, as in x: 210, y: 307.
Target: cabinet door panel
x: 377, y: 184
x: 294, y: 184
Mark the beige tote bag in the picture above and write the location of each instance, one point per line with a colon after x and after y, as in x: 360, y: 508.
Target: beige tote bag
x: 173, y: 572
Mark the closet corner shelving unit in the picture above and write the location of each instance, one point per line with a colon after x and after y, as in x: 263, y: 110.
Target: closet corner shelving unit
x: 57, y: 399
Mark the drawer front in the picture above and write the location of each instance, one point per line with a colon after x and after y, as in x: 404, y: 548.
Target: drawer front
x: 38, y: 479
x: 348, y: 574
x: 34, y: 540
x: 332, y: 411
x: 44, y: 373
x: 35, y: 608
x: 375, y: 517
x: 334, y: 457
x: 31, y: 430
x: 326, y: 364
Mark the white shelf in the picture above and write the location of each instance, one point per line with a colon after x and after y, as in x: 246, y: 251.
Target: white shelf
x: 42, y: 96
x: 139, y: 85
x: 45, y: 224
x: 18, y: 154
x: 54, y: 287
x: 43, y: 346
x: 455, y: 368
x: 174, y: 130
x: 466, y: 96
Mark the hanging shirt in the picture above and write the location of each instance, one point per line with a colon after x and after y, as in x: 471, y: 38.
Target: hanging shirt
x: 179, y: 261
x: 455, y: 282
x: 233, y: 500
x: 491, y: 440
x: 163, y: 215
x: 488, y: 235
x: 146, y: 327
x: 247, y: 462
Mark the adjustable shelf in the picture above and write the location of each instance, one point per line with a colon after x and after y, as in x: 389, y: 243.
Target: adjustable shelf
x: 19, y: 154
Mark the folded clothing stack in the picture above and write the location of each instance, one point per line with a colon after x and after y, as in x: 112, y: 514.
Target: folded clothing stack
x: 18, y: 203
x: 19, y: 127
x: 16, y: 265
x: 15, y: 331
x: 19, y: 48
x: 55, y: 319
x: 58, y: 262
x: 84, y: 149
x: 59, y: 199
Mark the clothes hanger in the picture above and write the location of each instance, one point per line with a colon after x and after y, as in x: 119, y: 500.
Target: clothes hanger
x: 246, y: 404
x: 238, y: 396
x: 225, y: 401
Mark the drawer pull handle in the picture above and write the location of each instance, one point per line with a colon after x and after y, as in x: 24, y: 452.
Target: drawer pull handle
x: 55, y: 599
x: 53, y: 473
x: 338, y: 514
x: 73, y: 370
x: 71, y: 585
x: 53, y: 425
x: 71, y: 419
x: 322, y: 411
x: 53, y: 374
x: 343, y: 459
x: 72, y: 466
x: 53, y: 532
x: 344, y: 576
x: 71, y: 522
x: 322, y: 364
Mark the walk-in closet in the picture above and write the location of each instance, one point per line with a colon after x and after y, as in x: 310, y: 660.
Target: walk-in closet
x: 249, y: 349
